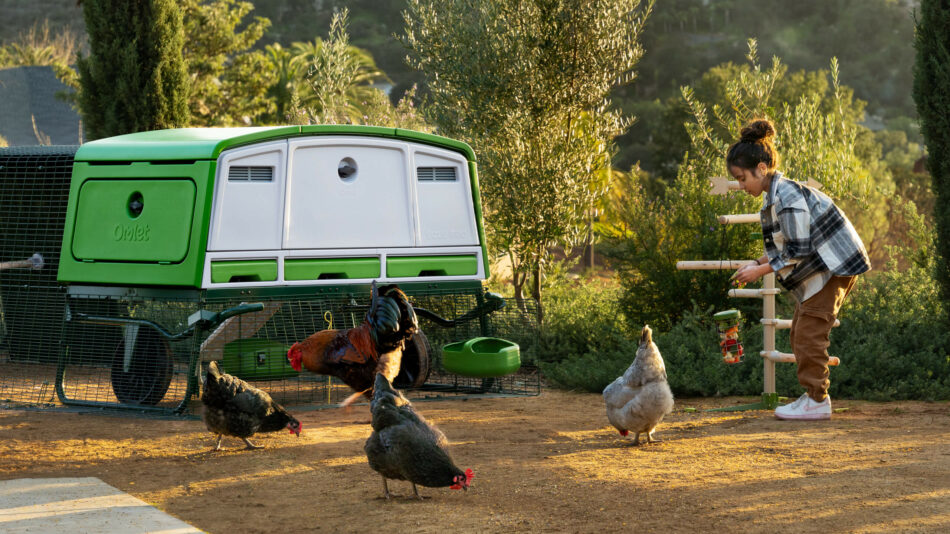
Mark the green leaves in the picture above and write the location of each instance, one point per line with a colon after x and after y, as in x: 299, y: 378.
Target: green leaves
x: 134, y: 78
x: 229, y: 80
x: 931, y: 78
x: 527, y: 84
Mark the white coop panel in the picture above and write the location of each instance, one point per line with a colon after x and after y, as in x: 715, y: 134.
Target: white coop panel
x: 444, y: 193
x: 249, y: 198
x: 348, y: 193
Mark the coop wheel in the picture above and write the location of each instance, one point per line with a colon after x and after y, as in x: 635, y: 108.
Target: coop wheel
x: 415, y: 367
x: 150, y: 370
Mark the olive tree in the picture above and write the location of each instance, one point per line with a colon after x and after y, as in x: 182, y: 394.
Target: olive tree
x: 527, y: 83
x: 816, y: 139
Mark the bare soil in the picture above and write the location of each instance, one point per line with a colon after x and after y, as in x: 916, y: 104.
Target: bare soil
x: 549, y: 463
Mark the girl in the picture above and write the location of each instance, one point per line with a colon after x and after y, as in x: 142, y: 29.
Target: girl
x: 814, y: 249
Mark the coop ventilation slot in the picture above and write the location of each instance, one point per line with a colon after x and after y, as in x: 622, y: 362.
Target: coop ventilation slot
x: 250, y: 174
x: 436, y: 174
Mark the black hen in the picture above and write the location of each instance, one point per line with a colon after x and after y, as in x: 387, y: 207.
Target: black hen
x: 405, y: 446
x: 232, y: 407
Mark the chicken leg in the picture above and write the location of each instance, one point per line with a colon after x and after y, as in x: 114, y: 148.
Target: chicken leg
x: 386, y: 489
x: 416, y: 492
x: 217, y: 446
x: 251, y: 445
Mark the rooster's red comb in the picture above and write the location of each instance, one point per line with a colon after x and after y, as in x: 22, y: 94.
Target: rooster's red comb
x: 295, y: 355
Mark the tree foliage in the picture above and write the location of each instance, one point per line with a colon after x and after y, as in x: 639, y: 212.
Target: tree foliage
x: 654, y: 233
x: 229, y: 80
x: 335, y: 85
x: 527, y: 84
x: 134, y: 78
x: 931, y: 79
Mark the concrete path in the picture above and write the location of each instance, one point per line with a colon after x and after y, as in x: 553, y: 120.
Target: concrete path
x: 80, y: 505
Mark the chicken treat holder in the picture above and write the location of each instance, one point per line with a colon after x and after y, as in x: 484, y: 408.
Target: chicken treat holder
x: 140, y: 232
x: 730, y: 342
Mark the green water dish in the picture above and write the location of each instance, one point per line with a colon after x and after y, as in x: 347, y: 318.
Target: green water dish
x: 482, y: 357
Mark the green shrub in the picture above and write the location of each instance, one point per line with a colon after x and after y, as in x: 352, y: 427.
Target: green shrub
x: 585, y: 341
x: 892, y: 341
x: 889, y: 343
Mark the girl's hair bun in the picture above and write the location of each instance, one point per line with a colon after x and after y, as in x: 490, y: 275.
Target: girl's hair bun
x: 756, y: 131
x: 756, y: 145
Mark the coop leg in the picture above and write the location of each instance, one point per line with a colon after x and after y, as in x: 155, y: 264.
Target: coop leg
x: 217, y: 446
x: 251, y: 445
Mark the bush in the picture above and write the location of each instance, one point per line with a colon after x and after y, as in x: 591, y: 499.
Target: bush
x: 585, y: 341
x: 892, y: 342
x: 888, y: 342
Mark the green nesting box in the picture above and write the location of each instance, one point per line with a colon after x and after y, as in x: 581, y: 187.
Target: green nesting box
x: 257, y: 359
x: 482, y: 357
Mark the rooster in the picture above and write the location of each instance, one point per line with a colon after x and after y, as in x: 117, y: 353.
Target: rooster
x: 357, y: 354
x: 405, y: 446
x: 638, y: 400
x: 232, y: 407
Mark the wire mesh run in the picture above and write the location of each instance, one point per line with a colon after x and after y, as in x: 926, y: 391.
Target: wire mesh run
x: 34, y: 192
x: 258, y: 354
x: 147, y: 349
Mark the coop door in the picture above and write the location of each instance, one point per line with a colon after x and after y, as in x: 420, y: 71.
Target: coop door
x: 248, y: 199
x: 446, y: 209
x: 348, y: 193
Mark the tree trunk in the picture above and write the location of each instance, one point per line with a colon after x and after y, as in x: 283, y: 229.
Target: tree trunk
x: 589, y: 241
x: 517, y: 281
x: 536, y: 291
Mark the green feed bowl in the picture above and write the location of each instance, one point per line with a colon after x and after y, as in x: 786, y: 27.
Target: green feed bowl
x: 482, y: 357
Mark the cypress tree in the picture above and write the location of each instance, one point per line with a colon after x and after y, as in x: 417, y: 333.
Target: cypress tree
x: 931, y: 80
x: 135, y: 77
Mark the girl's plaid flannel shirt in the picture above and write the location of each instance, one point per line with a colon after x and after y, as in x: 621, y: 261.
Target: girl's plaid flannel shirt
x: 810, y: 233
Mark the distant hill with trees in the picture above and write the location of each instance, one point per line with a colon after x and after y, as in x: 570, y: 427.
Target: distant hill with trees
x: 683, y: 39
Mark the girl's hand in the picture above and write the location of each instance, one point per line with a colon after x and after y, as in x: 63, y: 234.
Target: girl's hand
x: 748, y: 273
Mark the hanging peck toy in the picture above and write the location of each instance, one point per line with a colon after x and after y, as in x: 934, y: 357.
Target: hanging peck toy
x: 730, y: 344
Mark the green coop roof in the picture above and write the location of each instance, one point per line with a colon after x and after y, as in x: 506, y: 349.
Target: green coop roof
x: 186, y: 144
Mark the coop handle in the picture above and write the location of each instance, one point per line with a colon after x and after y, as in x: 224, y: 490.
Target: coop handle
x: 493, y: 302
x: 237, y: 310
x: 202, y: 321
x: 34, y: 262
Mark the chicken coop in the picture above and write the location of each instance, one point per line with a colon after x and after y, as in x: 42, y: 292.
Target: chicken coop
x: 129, y: 263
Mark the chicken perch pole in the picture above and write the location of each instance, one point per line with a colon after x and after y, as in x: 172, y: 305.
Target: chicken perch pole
x: 767, y: 292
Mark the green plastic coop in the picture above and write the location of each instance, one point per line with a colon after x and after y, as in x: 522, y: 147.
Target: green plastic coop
x: 165, y: 250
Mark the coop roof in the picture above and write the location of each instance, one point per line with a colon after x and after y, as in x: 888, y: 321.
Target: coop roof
x: 188, y: 144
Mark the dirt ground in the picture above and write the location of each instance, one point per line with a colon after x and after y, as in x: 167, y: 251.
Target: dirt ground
x: 548, y: 463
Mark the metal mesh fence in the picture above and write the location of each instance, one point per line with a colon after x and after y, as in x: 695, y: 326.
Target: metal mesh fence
x: 34, y: 191
x: 145, y: 349
x: 261, y: 356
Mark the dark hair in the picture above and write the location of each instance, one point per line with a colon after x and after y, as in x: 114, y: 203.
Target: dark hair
x: 755, y: 145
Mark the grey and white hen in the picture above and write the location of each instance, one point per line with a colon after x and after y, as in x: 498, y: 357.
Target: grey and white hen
x: 638, y: 400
